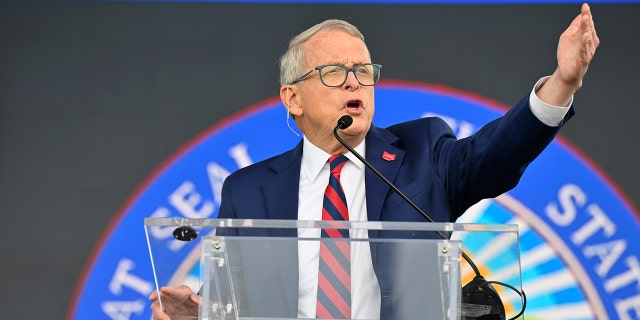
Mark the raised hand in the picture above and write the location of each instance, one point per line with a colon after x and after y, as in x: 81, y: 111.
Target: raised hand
x: 576, y: 48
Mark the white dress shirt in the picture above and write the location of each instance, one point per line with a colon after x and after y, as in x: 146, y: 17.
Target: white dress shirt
x: 314, y: 177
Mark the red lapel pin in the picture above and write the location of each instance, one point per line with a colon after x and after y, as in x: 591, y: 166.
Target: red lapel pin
x: 388, y: 156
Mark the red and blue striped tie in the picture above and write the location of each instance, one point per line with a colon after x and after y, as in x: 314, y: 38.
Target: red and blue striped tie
x: 334, y: 275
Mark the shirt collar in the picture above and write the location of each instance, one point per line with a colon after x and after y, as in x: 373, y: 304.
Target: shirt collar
x: 314, y: 158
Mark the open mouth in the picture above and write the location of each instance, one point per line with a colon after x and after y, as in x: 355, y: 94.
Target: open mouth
x: 354, y: 105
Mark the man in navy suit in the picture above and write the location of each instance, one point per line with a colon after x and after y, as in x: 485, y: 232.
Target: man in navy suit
x: 327, y: 73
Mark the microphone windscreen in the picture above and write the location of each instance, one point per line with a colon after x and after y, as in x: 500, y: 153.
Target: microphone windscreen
x: 344, y: 122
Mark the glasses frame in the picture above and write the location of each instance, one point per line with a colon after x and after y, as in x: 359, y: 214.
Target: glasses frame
x: 347, y: 69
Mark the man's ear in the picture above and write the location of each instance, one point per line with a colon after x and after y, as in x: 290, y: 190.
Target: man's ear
x: 289, y: 94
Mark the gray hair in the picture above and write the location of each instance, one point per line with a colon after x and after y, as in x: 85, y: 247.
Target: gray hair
x: 292, y: 63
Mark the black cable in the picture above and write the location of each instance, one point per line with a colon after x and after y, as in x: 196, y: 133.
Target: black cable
x: 521, y: 293
x: 400, y: 193
x: 344, y: 122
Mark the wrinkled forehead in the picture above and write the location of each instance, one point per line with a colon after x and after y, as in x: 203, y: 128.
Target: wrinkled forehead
x: 335, y: 47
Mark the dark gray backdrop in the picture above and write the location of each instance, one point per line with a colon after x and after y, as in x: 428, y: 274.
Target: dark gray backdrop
x: 94, y: 96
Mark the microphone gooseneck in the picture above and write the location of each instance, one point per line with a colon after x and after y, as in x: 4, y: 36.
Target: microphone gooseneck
x: 343, y: 123
x: 479, y: 281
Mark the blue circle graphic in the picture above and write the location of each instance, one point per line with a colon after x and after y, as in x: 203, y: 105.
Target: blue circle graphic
x: 579, y: 259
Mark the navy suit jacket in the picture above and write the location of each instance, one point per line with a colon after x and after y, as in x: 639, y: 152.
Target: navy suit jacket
x: 440, y: 173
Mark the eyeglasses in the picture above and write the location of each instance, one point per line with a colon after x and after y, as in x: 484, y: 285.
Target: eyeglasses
x: 335, y: 75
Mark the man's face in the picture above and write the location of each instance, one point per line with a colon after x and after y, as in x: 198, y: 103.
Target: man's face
x: 322, y: 106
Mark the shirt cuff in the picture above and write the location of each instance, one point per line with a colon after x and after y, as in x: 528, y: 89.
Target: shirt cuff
x: 546, y: 113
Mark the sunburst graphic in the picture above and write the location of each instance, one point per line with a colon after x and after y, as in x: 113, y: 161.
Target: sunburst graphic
x: 552, y: 290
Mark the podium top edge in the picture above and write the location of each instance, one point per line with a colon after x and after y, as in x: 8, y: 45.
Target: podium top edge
x: 296, y: 224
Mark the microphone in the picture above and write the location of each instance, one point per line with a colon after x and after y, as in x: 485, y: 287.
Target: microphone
x: 185, y: 233
x: 478, y: 292
x: 343, y: 123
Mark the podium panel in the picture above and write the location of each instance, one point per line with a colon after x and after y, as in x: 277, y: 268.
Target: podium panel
x: 250, y: 269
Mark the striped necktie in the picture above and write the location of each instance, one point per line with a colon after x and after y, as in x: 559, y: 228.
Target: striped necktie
x: 334, y: 273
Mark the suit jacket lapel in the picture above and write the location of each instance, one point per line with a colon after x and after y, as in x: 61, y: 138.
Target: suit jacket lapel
x: 281, y: 190
x: 379, y: 142
x: 281, y: 202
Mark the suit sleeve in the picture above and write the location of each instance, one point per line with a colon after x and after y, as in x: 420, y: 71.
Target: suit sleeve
x: 491, y: 161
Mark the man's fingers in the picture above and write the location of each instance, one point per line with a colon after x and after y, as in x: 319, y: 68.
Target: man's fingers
x: 585, y: 8
x: 158, y: 313
x: 589, y: 39
x: 195, y: 298
x: 153, y: 296
x: 181, y: 293
x: 587, y: 22
x: 589, y: 26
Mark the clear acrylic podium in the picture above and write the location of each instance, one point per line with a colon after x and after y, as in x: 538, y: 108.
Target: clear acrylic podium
x: 249, y: 269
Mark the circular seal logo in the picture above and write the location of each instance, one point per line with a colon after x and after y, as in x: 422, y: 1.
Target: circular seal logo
x: 578, y: 259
